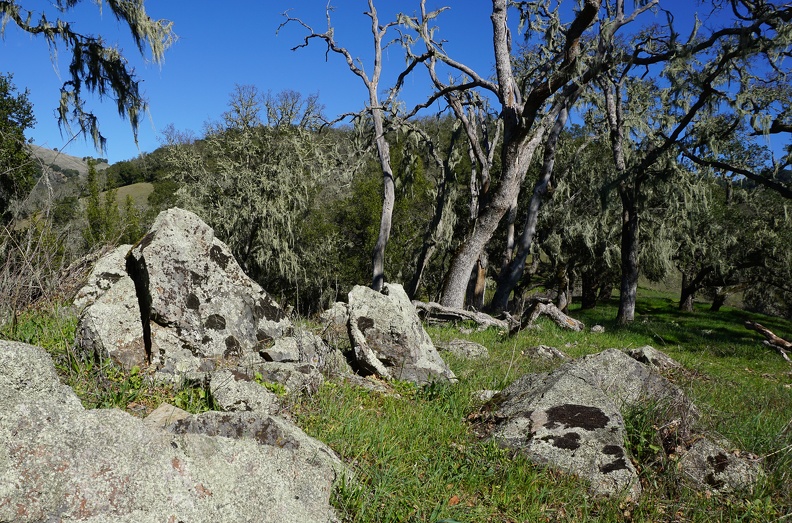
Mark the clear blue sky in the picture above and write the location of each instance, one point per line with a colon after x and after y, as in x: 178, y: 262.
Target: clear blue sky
x: 222, y: 44
x: 226, y: 43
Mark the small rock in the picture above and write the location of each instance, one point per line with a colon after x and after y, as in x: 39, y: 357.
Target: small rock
x: 235, y: 391
x: 545, y: 352
x: 713, y: 468
x: 654, y: 358
x: 598, y: 329
x: 465, y: 349
x: 164, y: 415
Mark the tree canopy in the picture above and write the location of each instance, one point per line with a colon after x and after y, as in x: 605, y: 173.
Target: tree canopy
x: 96, y: 66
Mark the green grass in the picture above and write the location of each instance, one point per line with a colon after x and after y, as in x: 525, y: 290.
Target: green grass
x: 418, y: 457
x: 99, y: 383
x: 416, y: 451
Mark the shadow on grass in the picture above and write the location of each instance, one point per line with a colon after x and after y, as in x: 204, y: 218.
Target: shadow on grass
x: 659, y: 319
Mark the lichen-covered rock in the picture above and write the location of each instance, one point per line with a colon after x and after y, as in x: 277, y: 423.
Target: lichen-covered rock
x: 545, y: 352
x: 109, y: 269
x: 189, y: 283
x: 388, y: 338
x: 235, y: 391
x: 110, y: 325
x: 560, y: 420
x: 164, y: 415
x: 296, y: 378
x: 710, y: 467
x: 572, y: 418
x: 465, y: 349
x: 60, y: 462
x: 648, y: 355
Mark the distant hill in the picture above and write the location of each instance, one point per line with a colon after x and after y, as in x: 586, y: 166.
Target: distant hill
x: 61, y: 175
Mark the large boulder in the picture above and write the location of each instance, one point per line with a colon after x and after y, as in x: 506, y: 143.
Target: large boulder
x: 61, y: 462
x: 110, y: 324
x: 388, y: 338
x: 572, y: 418
x: 196, y: 301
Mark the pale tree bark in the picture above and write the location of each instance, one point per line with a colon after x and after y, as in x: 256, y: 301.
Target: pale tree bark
x: 526, y: 120
x: 376, y: 110
x: 513, y: 270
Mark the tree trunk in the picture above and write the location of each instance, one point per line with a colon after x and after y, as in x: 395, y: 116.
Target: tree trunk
x: 512, y: 271
x: 590, y: 283
x: 719, y: 300
x: 686, y: 296
x: 477, y: 286
x: 606, y: 290
x: 629, y: 257
x: 516, y: 158
x: 388, y: 200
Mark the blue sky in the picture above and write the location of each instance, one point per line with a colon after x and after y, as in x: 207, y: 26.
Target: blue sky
x: 222, y: 44
x: 217, y: 48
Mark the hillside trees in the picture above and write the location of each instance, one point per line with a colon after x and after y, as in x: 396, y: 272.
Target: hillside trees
x: 254, y: 177
x: 95, y: 66
x: 376, y: 110
x: 17, y: 169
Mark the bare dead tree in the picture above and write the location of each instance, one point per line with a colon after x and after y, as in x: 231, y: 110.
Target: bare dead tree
x: 376, y: 109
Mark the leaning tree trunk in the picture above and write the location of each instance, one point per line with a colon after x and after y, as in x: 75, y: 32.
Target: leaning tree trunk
x: 516, y: 157
x: 513, y: 271
x: 686, y: 296
x: 719, y: 300
x: 629, y: 256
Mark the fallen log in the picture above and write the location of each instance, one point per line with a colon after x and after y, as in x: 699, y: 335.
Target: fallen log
x: 435, y: 313
x: 781, y: 345
x: 544, y: 307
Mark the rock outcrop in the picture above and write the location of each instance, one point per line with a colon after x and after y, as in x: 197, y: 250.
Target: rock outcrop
x: 465, y: 349
x: 197, y: 306
x: 573, y: 419
x: 179, y: 302
x: 61, y: 462
x: 388, y: 338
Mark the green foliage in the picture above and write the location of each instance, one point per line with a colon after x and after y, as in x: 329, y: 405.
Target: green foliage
x: 101, y: 213
x: 133, y: 228
x: 17, y: 169
x: 276, y: 388
x: 95, y: 67
x: 255, y: 178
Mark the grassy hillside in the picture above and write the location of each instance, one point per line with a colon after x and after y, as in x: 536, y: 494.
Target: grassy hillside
x: 417, y: 454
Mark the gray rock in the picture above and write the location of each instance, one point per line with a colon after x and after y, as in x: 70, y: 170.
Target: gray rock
x: 193, y: 287
x: 297, y: 378
x: 334, y: 321
x: 650, y: 356
x: 484, y: 395
x: 572, y: 418
x: 712, y: 468
x: 563, y: 421
x: 465, y: 349
x: 109, y: 269
x: 388, y: 338
x: 284, y: 350
x: 235, y: 391
x: 545, y: 352
x: 164, y: 415
x: 265, y: 430
x: 110, y: 325
x: 61, y: 462
x: 597, y: 329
